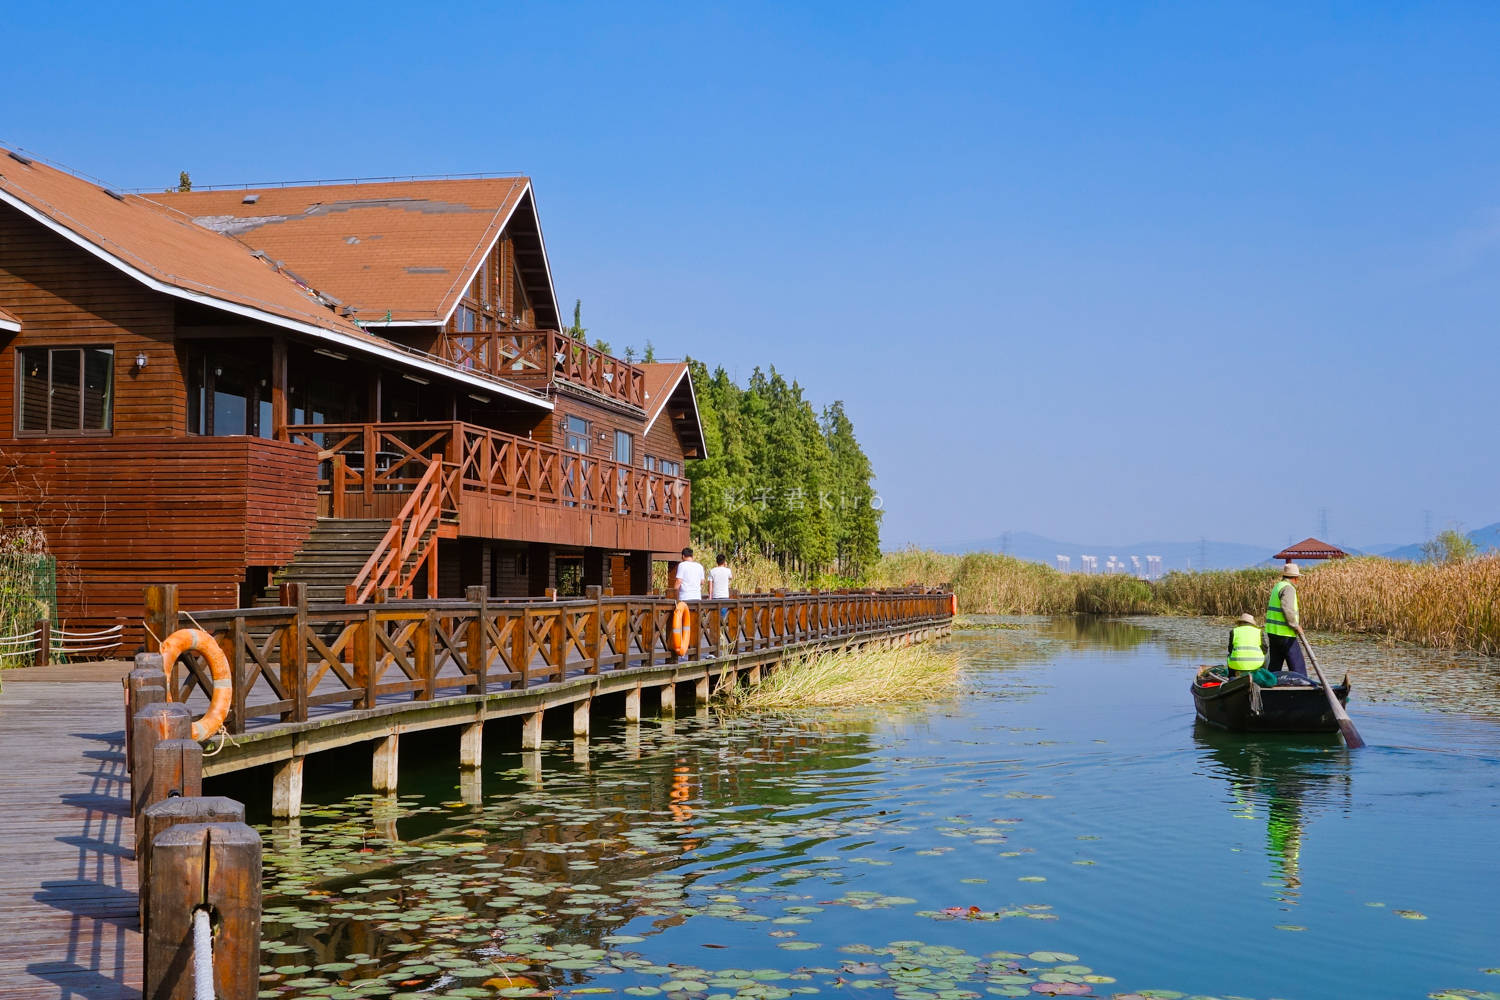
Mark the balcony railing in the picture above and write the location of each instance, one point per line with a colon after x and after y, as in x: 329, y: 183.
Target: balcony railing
x: 548, y: 355
x: 379, y: 458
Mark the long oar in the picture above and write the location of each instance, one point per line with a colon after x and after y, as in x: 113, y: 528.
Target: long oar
x: 1346, y: 725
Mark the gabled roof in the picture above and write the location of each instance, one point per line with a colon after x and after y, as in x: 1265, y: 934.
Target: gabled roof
x: 165, y: 251
x: 138, y: 237
x: 1311, y: 548
x: 401, y: 252
x: 9, y: 323
x: 665, y: 382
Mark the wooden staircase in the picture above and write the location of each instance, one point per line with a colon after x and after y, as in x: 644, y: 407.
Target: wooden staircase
x: 333, y: 556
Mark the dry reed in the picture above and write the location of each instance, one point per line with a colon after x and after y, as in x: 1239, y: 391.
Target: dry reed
x: 889, y: 676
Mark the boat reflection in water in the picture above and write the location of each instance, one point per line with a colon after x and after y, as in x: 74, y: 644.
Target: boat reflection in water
x: 1283, y: 781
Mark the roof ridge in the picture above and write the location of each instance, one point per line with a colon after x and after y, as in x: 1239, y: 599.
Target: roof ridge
x: 483, y: 175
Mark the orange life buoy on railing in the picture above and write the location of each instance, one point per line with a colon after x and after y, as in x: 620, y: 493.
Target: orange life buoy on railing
x: 681, y: 628
x: 199, y: 641
x: 953, y: 605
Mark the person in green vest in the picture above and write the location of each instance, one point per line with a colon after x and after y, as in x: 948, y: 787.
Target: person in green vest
x: 1284, y: 624
x: 1247, y: 652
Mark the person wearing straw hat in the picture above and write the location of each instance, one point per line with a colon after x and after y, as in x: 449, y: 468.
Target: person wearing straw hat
x: 1247, y: 652
x: 1284, y: 625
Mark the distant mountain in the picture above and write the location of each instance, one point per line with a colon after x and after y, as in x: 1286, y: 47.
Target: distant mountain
x: 1174, y: 555
x: 1487, y: 538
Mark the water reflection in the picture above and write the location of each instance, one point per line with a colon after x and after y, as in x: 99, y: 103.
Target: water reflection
x: 1282, y: 781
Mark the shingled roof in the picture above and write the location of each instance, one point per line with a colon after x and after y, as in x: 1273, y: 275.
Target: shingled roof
x: 400, y: 252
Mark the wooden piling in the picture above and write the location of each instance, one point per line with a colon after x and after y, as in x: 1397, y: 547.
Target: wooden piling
x: 145, y: 685
x: 161, y: 614
x: 216, y: 866
x: 286, y: 789
x: 471, y: 745
x: 581, y: 718
x: 176, y: 770
x: 633, y: 705
x: 385, y: 768
x: 152, y: 725
x: 172, y: 812
x: 669, y: 700
x: 531, y: 731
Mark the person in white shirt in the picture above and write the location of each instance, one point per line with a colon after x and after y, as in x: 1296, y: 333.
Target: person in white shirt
x: 718, y: 582
x: 689, y: 578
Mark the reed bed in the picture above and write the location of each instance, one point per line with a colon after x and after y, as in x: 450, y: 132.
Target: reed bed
x: 1453, y: 605
x: 892, y: 675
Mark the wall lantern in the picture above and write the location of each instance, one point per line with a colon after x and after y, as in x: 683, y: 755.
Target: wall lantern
x: 140, y: 361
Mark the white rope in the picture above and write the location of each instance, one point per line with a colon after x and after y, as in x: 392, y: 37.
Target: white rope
x: 203, y: 956
x: 112, y: 630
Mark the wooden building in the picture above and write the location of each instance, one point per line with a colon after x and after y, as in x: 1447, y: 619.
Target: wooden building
x: 346, y: 384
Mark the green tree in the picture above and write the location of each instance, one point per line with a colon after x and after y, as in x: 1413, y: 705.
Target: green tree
x: 1451, y: 546
x: 577, y: 331
x: 184, y: 182
x: 649, y: 355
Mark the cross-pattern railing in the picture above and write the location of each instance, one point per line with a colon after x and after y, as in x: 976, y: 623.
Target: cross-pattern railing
x: 525, y: 355
x: 375, y: 459
x: 291, y: 663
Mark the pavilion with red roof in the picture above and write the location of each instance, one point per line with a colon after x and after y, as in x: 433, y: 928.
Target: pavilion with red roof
x: 1309, y: 549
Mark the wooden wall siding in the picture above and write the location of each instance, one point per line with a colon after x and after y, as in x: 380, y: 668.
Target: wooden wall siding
x: 64, y: 295
x: 663, y: 441
x: 124, y: 512
x: 523, y: 521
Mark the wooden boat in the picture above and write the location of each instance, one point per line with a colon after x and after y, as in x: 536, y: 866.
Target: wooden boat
x: 1239, y: 705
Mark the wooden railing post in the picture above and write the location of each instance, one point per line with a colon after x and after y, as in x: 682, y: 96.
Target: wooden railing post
x: 233, y: 646
x: 422, y: 653
x: 161, y: 614
x: 204, y: 866
x: 337, y: 506
x: 476, y: 651
x: 520, y: 650
x: 294, y: 651
x: 595, y: 636
x: 370, y: 445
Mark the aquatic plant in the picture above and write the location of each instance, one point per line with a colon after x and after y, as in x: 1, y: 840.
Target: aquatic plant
x: 892, y: 675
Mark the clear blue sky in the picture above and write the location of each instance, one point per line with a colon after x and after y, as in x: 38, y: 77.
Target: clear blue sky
x: 1106, y: 272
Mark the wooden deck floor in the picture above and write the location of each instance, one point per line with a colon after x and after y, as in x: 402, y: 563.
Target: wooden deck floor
x: 67, y: 869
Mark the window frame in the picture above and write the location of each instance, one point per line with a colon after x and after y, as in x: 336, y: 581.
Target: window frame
x: 80, y: 431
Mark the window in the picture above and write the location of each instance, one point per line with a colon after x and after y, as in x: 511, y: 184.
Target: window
x: 648, y: 462
x: 576, y: 434
x: 667, y: 467
x: 66, y: 389
x: 463, y: 320
x: 623, y: 443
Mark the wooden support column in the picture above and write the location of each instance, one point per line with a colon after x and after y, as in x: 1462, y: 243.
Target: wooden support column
x: 593, y: 568
x: 154, y: 724
x: 669, y: 699
x: 640, y: 572
x: 700, y: 690
x: 531, y: 731
x: 538, y: 568
x: 633, y: 705
x: 278, y: 387
x: 286, y: 789
x: 471, y: 787
x: 755, y: 675
x: 471, y: 745
x: 169, y: 813
x: 212, y: 866
x: 581, y: 718
x: 385, y: 767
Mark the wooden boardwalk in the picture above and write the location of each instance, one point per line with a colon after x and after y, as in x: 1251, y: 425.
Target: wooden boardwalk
x: 67, y: 871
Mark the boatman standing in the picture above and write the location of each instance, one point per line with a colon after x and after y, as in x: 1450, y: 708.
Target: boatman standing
x: 1284, y: 625
x: 1247, y: 652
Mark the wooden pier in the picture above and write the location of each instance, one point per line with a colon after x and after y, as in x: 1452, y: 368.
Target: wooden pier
x: 67, y: 869
x: 311, y: 679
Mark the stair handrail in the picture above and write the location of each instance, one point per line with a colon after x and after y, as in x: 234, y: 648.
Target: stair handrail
x: 386, y: 565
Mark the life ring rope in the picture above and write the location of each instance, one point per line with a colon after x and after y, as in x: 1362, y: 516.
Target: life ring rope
x: 198, y: 641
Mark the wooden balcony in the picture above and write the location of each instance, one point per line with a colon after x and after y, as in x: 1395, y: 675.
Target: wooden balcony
x: 497, y: 485
x: 533, y: 356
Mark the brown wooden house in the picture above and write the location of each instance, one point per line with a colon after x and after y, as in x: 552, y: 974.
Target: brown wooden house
x: 346, y: 384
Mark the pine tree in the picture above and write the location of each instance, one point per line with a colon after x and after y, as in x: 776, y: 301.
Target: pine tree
x: 184, y: 182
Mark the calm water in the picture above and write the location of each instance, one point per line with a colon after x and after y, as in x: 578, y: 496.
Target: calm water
x: 1063, y: 822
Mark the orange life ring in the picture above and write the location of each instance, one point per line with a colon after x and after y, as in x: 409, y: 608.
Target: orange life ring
x: 199, y: 641
x: 681, y: 628
x: 953, y: 605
